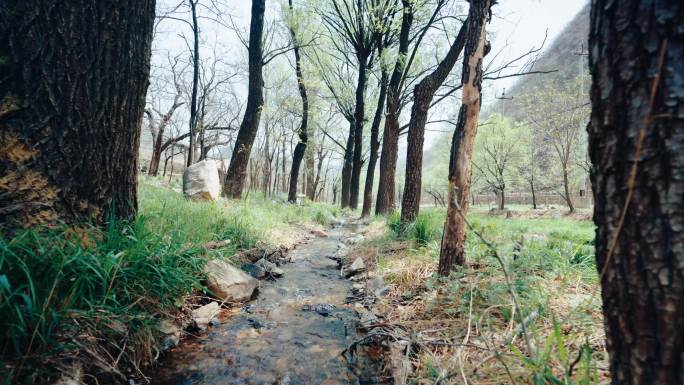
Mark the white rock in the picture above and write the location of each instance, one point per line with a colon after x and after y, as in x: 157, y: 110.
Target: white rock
x: 228, y: 283
x: 204, y: 314
x: 201, y: 181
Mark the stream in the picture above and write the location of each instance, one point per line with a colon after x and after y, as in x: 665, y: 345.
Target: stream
x: 287, y: 335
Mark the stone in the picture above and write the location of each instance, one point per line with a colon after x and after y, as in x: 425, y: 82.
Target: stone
x: 228, y: 283
x: 201, y: 181
x: 319, y: 233
x: 203, y: 315
x: 356, y: 267
x: 254, y: 270
x: 270, y: 268
x: 171, y: 334
x: 354, y: 239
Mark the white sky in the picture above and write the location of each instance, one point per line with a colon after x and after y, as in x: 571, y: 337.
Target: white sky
x: 521, y: 24
x: 516, y: 27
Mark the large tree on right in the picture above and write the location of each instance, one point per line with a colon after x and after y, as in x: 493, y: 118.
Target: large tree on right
x: 636, y: 144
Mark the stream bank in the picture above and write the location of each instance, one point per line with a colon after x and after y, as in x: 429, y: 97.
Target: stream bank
x: 294, y: 332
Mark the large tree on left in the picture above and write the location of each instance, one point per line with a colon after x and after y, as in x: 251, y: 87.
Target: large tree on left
x: 73, y: 78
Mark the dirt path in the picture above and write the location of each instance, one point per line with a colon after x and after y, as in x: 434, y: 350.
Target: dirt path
x: 284, y: 336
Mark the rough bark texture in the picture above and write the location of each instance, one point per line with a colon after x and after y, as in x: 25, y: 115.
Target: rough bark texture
x: 359, y: 119
x: 347, y: 167
x: 374, y: 147
x: 636, y: 145
x: 300, y: 148
x: 384, y: 203
x: 422, y: 97
x: 235, y: 176
x: 460, y: 166
x: 73, y: 78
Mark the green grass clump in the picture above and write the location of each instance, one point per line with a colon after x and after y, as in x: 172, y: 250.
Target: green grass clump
x: 97, y: 294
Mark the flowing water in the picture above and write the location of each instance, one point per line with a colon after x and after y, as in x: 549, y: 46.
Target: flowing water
x: 281, y: 337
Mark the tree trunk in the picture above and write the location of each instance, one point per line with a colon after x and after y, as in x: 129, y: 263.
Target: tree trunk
x: 636, y: 145
x: 422, y: 97
x: 374, y: 147
x: 460, y: 165
x: 502, y: 199
x: 534, y: 197
x: 311, y: 181
x: 73, y: 78
x: 566, y: 187
x: 155, y: 159
x: 300, y: 149
x: 359, y: 118
x: 384, y: 203
x: 235, y: 176
x: 347, y: 167
x: 195, y: 82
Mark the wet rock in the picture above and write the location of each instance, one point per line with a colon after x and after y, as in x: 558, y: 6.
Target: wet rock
x: 355, y: 268
x: 270, y: 268
x: 229, y: 283
x: 354, y: 239
x: 366, y: 317
x: 319, y: 233
x: 324, y: 309
x: 254, y: 270
x: 170, y: 335
x: 250, y: 308
x: 203, y: 315
x: 258, y: 323
x: 201, y: 181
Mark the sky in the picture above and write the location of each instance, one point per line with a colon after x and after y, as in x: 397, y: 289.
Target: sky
x: 519, y: 25
x: 516, y: 27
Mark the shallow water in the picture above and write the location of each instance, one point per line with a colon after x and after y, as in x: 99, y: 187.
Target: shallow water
x: 278, y: 341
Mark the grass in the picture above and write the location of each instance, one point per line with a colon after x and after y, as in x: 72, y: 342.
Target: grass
x: 96, y: 296
x: 552, y: 268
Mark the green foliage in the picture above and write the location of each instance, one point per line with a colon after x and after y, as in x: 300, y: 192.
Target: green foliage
x: 425, y: 229
x: 64, y: 289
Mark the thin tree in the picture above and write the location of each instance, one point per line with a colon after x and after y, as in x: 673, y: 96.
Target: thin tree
x: 636, y: 142
x: 73, y: 78
x: 235, y: 175
x: 453, y: 239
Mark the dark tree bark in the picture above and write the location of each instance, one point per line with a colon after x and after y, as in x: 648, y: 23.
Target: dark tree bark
x: 347, y: 167
x: 300, y: 149
x: 636, y: 145
x: 359, y: 120
x: 534, y: 195
x: 374, y: 146
x: 73, y: 78
x: 390, y: 140
x: 192, y: 126
x: 422, y: 97
x: 460, y: 164
x: 235, y: 176
x: 566, y: 189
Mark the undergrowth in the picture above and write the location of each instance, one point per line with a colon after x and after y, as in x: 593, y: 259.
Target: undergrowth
x: 553, y: 274
x: 96, y: 296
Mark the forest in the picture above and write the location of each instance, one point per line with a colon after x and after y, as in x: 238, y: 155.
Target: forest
x: 341, y: 192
